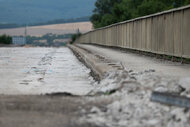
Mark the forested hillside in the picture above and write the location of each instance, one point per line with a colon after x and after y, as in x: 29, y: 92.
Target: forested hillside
x: 112, y: 11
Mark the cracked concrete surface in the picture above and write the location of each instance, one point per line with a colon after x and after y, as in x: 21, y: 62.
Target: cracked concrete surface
x: 41, y: 71
x: 122, y: 98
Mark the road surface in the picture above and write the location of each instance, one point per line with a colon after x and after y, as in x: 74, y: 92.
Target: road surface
x: 41, y: 71
x: 139, y: 63
x: 28, y: 72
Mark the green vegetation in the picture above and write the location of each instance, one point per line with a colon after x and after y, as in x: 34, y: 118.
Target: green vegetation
x: 112, y: 11
x: 74, y: 37
x: 4, y: 39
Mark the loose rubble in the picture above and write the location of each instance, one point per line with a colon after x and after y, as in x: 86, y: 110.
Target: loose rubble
x: 133, y: 108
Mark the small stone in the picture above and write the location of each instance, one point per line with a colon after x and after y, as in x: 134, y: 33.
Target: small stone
x: 184, y: 82
x: 95, y: 110
x: 153, y: 122
x: 130, y: 71
x: 83, y: 111
x: 161, y: 89
x: 178, y: 89
x: 150, y: 70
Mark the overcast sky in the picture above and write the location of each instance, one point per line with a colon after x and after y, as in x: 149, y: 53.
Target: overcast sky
x: 30, y: 11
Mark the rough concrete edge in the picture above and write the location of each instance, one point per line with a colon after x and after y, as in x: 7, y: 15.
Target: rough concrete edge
x: 80, y: 54
x: 99, y: 65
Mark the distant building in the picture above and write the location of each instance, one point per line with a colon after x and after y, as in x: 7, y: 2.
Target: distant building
x: 18, y: 40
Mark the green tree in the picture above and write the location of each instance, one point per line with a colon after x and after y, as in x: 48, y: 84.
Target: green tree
x: 4, y: 39
x: 111, y: 11
x: 150, y: 7
x: 103, y: 10
x: 187, y: 2
x: 74, y: 37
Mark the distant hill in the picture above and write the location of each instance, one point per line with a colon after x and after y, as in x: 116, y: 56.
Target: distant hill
x: 61, y: 21
x: 58, y: 29
x: 57, y: 21
x: 40, y: 11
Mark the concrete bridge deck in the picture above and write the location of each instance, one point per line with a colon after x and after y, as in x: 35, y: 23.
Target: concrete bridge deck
x: 128, y: 103
x: 139, y: 63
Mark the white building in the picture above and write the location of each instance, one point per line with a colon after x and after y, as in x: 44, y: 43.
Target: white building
x: 18, y: 40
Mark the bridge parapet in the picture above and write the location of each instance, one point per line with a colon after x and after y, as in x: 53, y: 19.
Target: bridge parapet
x: 165, y: 33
